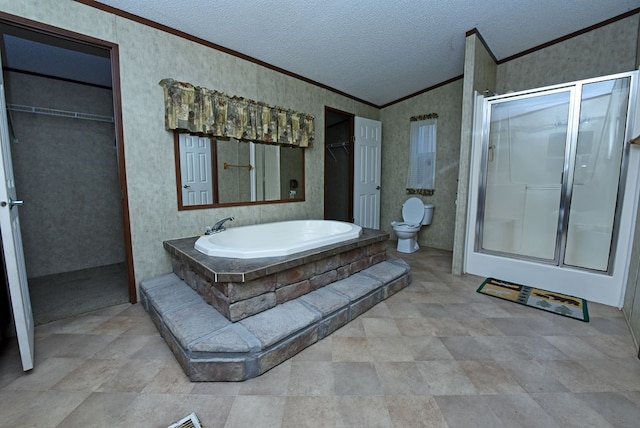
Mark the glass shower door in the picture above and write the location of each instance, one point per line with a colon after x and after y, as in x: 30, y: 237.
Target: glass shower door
x: 525, y: 162
x: 598, y: 159
x: 552, y: 163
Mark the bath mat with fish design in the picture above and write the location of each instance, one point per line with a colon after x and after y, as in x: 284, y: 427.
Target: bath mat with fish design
x: 561, y: 304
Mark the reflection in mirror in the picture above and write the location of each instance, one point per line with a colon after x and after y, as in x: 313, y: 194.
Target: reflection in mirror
x: 220, y: 172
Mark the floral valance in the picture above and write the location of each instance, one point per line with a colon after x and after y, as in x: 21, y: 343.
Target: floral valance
x: 211, y: 113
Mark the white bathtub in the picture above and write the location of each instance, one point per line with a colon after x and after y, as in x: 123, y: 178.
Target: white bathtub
x: 276, y: 239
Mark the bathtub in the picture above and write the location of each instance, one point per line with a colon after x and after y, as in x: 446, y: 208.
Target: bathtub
x: 276, y: 239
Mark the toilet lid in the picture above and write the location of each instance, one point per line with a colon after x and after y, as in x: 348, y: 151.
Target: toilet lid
x: 413, y: 210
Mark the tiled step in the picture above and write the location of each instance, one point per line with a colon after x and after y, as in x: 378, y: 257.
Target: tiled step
x: 211, y: 348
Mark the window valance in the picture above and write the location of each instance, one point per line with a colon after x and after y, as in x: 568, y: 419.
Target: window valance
x: 211, y: 113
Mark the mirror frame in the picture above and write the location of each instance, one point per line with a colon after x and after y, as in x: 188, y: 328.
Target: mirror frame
x: 214, y: 173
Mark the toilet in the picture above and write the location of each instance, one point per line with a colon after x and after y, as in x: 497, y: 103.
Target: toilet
x: 415, y: 214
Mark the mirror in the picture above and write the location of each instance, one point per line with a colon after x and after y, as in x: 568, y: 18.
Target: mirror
x: 215, y: 172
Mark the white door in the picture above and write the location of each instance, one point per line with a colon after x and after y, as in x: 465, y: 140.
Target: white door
x: 366, y: 172
x: 12, y: 245
x: 195, y: 167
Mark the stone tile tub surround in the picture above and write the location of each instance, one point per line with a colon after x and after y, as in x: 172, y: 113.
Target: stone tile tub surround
x: 209, y: 347
x: 239, y: 288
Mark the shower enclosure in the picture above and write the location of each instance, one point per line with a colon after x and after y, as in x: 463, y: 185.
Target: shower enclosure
x: 549, y: 175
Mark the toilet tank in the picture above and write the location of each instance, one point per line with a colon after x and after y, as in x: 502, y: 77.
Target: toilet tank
x: 428, y: 214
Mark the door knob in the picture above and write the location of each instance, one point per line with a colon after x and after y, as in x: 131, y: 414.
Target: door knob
x: 377, y: 187
x: 186, y: 186
x: 12, y: 203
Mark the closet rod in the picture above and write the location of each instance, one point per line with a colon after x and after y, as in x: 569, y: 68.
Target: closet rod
x: 59, y: 113
x: 342, y: 144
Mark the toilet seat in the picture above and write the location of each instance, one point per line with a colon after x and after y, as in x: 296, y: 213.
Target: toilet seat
x: 413, y: 211
x: 405, y: 227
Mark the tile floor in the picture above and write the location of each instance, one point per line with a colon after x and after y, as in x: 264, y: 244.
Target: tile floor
x: 437, y: 354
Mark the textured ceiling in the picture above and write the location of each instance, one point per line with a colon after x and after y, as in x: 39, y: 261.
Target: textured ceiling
x: 376, y: 50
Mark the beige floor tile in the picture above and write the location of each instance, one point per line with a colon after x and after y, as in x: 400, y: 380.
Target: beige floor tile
x: 161, y: 410
x: 133, y: 376
x: 38, y: 408
x: 415, y: 327
x: 519, y: 410
x: 170, y: 379
x: 353, y: 329
x: 72, y: 345
x: 401, y: 379
x: 576, y: 377
x: 401, y: 310
x: 378, y: 311
x: 427, y: 348
x: 414, y: 411
x: 390, y: 349
x: 445, y: 378
x: 309, y: 412
x: 575, y: 347
x: 447, y: 327
x: 569, y: 411
x: 124, y: 347
x: 274, y: 382
x: 533, y: 376
x: 479, y: 327
x: 90, y: 375
x: 467, y: 411
x: 256, y: 411
x: 362, y: 412
x: 489, y: 377
x: 46, y: 374
x: 467, y: 348
x: 311, y: 378
x: 613, y: 346
x: 227, y: 389
x: 351, y: 349
x: 154, y: 348
x: 614, y: 407
x: 615, y: 372
x: 356, y: 379
x: 380, y: 327
x: 100, y: 409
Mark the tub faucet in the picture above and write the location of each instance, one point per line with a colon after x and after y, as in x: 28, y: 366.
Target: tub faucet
x: 218, y: 227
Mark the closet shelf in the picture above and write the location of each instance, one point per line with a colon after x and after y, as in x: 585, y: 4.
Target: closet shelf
x: 59, y: 113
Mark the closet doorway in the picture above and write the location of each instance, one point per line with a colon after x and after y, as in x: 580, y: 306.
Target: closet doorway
x: 338, y: 165
x: 63, y: 109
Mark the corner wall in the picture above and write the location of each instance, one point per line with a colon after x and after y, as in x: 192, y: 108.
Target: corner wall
x: 445, y: 101
x: 479, y: 75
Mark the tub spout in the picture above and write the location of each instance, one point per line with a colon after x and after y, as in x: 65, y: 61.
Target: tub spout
x: 218, y: 227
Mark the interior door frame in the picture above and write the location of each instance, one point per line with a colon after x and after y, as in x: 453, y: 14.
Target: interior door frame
x: 351, y: 118
x: 63, y: 34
